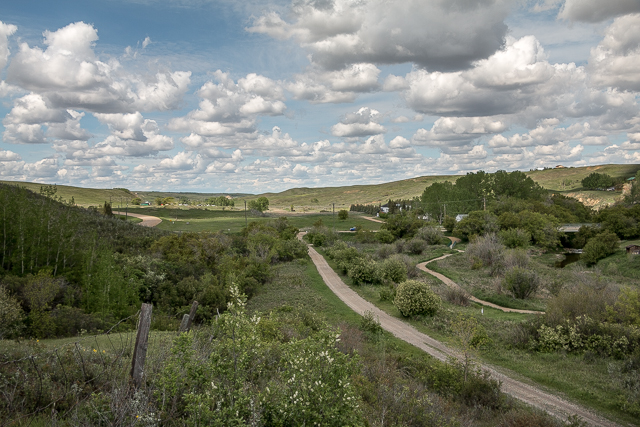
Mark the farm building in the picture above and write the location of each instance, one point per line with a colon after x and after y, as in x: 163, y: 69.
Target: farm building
x: 633, y: 249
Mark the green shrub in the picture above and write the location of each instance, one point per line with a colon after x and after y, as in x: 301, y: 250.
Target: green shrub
x: 515, y: 238
x: 430, y: 234
x: 394, y: 270
x: 449, y: 223
x: 521, y: 282
x: 600, y: 246
x: 414, y: 297
x: 385, y: 236
x: 364, y: 270
x: 370, y: 323
x: 343, y: 215
x: 416, y: 246
x: 488, y: 250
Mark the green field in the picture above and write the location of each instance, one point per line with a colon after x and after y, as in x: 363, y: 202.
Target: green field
x: 233, y: 221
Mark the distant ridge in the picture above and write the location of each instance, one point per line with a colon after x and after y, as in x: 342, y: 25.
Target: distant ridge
x: 560, y: 179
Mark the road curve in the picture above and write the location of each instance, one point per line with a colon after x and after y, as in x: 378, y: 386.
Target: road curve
x: 533, y: 396
x: 450, y: 283
x: 147, y: 220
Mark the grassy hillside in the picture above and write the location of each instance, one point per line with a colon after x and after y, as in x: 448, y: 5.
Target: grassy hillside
x: 82, y: 196
x: 566, y: 180
x: 552, y: 179
x: 345, y: 196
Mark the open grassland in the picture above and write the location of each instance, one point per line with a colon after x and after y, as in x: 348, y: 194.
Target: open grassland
x: 83, y: 196
x: 233, y: 221
x: 566, y: 180
x: 553, y: 179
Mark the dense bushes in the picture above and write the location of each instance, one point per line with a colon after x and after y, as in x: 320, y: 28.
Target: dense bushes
x: 272, y: 370
x: 414, y: 297
x: 600, y: 246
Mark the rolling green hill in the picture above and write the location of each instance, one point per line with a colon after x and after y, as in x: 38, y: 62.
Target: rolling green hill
x: 565, y: 180
x: 82, y: 196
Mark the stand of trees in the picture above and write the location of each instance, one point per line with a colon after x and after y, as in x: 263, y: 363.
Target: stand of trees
x: 64, y: 268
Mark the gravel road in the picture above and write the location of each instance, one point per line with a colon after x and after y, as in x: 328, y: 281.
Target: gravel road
x: 147, y: 220
x: 529, y: 394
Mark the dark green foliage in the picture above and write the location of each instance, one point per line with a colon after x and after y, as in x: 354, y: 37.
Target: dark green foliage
x: 368, y: 209
x: 600, y: 246
x: 597, y: 181
x: 222, y: 201
x: 403, y: 225
x: 583, y: 235
x: 343, y: 215
x: 515, y: 238
x: 624, y: 221
x: 260, y: 204
x: 478, y: 223
x: 449, y: 223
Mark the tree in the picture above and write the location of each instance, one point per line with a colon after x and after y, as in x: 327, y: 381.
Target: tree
x: 597, y: 180
x: 600, y: 246
x: 136, y: 201
x: 184, y: 200
x: 343, y: 215
x: 471, y: 337
x: 11, y: 314
x: 521, y: 282
x: 260, y: 204
x: 106, y: 209
x: 516, y: 184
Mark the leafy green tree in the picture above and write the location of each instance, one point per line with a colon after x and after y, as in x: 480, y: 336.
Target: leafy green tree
x: 600, y: 246
x: 402, y: 225
x: 136, y: 201
x: 597, y: 180
x: 343, y: 215
x: 449, y: 223
x: 476, y: 224
x: 260, y: 204
x: 184, y: 200
x: 11, y: 314
x: 39, y: 292
x: 516, y: 184
x: 106, y: 209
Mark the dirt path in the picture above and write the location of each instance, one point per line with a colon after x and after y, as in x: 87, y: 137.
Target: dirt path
x: 450, y: 283
x: 373, y: 219
x: 527, y: 393
x: 147, y: 220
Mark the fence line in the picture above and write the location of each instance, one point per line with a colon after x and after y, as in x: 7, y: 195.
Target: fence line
x: 61, y: 378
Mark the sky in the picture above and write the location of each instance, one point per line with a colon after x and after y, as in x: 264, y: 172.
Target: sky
x: 261, y: 96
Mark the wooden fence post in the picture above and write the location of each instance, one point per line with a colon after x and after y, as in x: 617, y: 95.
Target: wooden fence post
x: 187, y: 319
x: 140, y: 349
x: 184, y: 324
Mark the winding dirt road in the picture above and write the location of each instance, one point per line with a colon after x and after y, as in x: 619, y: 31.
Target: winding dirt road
x: 450, y: 283
x: 147, y: 220
x: 529, y: 394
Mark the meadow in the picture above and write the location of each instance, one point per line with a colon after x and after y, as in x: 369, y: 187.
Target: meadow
x: 233, y: 221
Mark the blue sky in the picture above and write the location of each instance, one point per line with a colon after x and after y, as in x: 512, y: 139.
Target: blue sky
x: 256, y: 96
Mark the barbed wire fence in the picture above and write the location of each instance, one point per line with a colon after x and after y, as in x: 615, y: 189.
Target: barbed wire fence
x: 84, y: 380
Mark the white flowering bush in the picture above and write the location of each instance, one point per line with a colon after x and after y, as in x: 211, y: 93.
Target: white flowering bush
x: 249, y: 372
x: 414, y: 297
